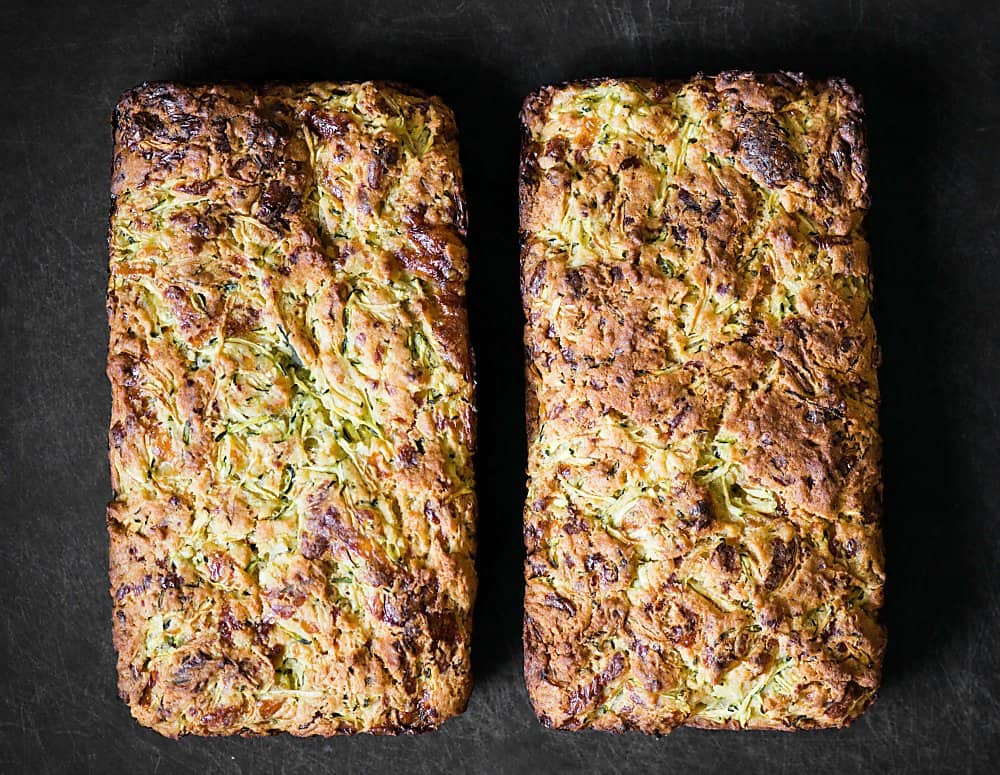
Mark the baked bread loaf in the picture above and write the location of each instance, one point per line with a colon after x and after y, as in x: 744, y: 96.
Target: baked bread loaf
x: 292, y: 529
x: 702, y: 518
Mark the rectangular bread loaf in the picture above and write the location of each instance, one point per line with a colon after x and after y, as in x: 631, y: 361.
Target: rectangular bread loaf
x: 702, y: 519
x: 292, y: 527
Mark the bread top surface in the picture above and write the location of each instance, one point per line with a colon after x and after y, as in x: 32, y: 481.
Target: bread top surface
x: 292, y: 529
x: 702, y: 520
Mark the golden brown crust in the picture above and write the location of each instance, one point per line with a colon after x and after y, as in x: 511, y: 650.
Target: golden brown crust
x: 292, y: 529
x: 701, y: 526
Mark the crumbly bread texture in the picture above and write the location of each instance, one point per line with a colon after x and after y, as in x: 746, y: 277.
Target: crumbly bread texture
x: 292, y: 529
x: 702, y: 519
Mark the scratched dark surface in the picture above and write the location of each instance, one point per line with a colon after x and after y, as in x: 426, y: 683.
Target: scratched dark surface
x: 929, y: 73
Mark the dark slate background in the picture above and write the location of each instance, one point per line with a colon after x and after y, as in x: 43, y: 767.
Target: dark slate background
x: 929, y: 74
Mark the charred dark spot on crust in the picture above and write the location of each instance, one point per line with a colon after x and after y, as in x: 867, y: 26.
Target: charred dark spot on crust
x: 262, y: 631
x: 764, y: 150
x: 414, y: 604
x: 199, y: 226
x: 529, y: 172
x: 449, y: 328
x: 385, y: 156
x: 319, y: 528
x: 575, y: 525
x: 728, y: 558
x: 277, y: 200
x: 577, y: 283
x: 584, y: 696
x: 428, y: 716
x: 133, y: 589
x: 684, y: 634
x: 188, y: 317
x: 220, y: 134
x: 190, y: 668
x: 217, y: 566
x: 228, y: 624
x: 533, y: 538
x: 846, y: 464
x: 831, y: 240
x: 117, y: 435
x: 782, y: 560
x: 147, y: 124
x: 223, y: 717
x: 720, y: 655
x: 196, y: 187
x: 688, y: 199
x: 391, y: 611
x: 700, y: 516
x: 536, y: 280
x: 327, y: 125
x: 606, y: 570
x: 840, y: 708
x: 344, y: 536
x: 560, y: 603
x: 630, y: 163
x: 288, y: 599
x: 171, y: 580
x: 683, y: 410
x: 556, y: 148
x: 796, y: 326
x: 241, y: 319
x: 407, y: 456
x: 818, y: 414
x: 439, y: 246
x: 829, y: 187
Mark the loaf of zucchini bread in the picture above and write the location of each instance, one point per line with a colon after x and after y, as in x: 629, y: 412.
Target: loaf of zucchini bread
x: 292, y: 525
x: 702, y: 518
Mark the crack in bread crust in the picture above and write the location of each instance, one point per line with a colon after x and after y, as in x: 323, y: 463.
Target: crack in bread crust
x: 292, y: 528
x: 702, y: 519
